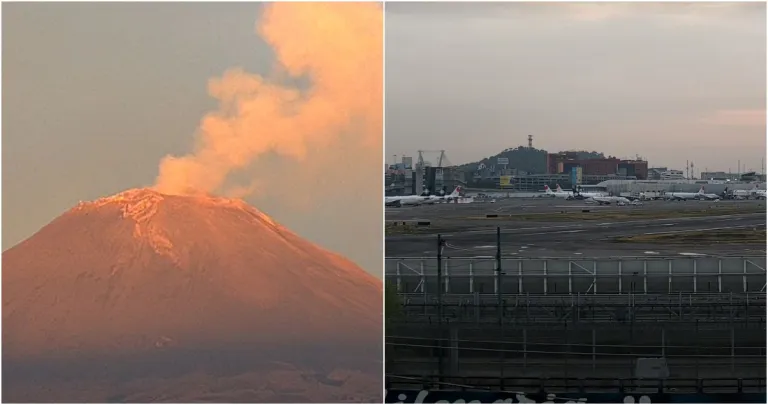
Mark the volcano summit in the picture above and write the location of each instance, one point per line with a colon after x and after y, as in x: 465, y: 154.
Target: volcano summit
x: 153, y: 287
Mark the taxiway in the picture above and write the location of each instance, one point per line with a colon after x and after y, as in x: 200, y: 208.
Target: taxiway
x: 468, y: 233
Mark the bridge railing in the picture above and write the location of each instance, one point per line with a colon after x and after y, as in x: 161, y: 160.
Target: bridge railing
x: 586, y: 308
x: 573, y: 275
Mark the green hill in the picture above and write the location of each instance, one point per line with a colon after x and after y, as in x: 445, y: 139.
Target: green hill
x: 529, y: 160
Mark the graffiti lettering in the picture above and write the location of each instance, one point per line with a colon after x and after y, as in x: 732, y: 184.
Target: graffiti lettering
x: 484, y: 397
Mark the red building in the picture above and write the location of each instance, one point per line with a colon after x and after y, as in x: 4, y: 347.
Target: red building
x: 637, y: 168
x: 559, y: 163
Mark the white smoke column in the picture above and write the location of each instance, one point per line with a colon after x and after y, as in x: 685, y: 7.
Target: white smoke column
x: 338, y: 46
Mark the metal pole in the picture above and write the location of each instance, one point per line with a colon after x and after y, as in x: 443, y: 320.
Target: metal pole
x: 731, y: 311
x: 498, y: 298
x: 525, y: 348
x: 594, y: 347
x: 697, y: 348
x: 440, y: 306
x: 631, y: 341
x: 498, y: 274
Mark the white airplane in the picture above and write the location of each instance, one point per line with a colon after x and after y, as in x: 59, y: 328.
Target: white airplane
x: 413, y: 200
x: 603, y: 200
x: 686, y: 196
x: 585, y: 194
x: 741, y: 193
x: 568, y: 195
x: 755, y: 192
x: 558, y: 194
x: 445, y: 198
x: 403, y: 200
x: 709, y: 196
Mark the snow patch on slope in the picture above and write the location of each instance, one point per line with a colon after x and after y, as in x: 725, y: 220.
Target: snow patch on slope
x: 141, y: 205
x: 136, y: 204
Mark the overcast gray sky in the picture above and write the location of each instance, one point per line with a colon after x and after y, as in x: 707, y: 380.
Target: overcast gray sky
x: 670, y: 82
x: 95, y: 94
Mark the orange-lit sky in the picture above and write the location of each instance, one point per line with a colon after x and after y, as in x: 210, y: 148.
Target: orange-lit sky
x: 670, y: 82
x: 96, y: 94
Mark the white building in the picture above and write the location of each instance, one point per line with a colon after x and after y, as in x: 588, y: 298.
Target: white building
x: 648, y: 186
x: 672, y: 175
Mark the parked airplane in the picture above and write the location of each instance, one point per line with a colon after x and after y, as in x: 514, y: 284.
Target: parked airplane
x: 446, y: 198
x: 754, y: 192
x: 403, y: 200
x: 570, y: 195
x: 685, y: 196
x: 558, y: 194
x: 741, y: 193
x: 602, y: 200
x: 399, y: 201
x: 709, y: 196
x: 582, y: 194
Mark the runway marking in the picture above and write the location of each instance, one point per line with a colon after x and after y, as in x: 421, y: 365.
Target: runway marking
x: 692, y: 254
x: 580, y: 206
x: 550, y: 233
x: 632, y: 224
x: 702, y: 230
x: 651, y: 253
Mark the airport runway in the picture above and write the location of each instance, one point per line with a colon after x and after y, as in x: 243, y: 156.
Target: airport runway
x: 544, y: 205
x: 560, y: 239
x: 469, y: 234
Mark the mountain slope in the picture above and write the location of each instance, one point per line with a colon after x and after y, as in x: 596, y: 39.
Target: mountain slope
x: 142, y: 273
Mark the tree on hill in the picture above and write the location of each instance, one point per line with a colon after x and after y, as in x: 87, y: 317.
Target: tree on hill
x: 585, y: 155
x: 530, y: 160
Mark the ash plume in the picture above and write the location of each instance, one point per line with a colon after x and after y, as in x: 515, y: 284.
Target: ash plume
x: 338, y: 48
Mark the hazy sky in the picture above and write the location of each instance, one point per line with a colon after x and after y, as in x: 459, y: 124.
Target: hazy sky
x: 670, y: 82
x: 95, y: 94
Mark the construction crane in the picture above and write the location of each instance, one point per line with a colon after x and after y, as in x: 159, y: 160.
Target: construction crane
x: 439, y: 160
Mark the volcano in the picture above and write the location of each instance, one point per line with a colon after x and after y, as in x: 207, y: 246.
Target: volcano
x: 120, y: 295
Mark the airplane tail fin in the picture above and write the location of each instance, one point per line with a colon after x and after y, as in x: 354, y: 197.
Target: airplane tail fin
x: 456, y: 192
x: 547, y: 189
x: 701, y: 190
x: 559, y: 190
